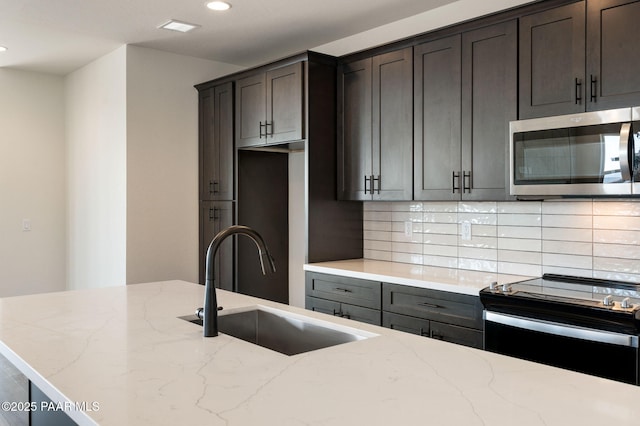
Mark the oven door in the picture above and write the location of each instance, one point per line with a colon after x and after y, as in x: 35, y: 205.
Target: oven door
x: 572, y: 155
x: 599, y: 353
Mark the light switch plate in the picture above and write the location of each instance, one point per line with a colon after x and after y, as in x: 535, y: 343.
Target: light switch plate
x: 26, y: 225
x: 408, y: 228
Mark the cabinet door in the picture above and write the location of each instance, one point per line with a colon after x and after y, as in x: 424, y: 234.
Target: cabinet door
x: 354, y: 130
x: 285, y: 104
x: 454, y: 334
x: 216, y: 143
x: 613, y: 53
x: 251, y: 111
x: 552, y: 59
x: 437, y: 88
x: 392, y: 135
x: 328, y: 307
x: 489, y: 72
x: 214, y: 217
x: 358, y: 313
x: 406, y: 323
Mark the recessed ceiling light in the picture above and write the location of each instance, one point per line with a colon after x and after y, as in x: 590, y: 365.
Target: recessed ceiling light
x: 218, y: 5
x: 174, y: 25
x: 3, y: 49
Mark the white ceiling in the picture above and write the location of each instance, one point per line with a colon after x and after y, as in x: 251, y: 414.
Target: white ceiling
x: 59, y: 36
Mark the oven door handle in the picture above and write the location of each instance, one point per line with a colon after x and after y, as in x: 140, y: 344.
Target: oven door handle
x: 564, y: 330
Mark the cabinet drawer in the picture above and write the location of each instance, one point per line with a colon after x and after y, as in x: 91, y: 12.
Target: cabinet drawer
x: 455, y: 334
x: 343, y: 289
x: 443, y: 306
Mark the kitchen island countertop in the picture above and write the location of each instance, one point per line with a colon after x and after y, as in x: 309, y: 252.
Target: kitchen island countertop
x: 125, y: 348
x: 435, y: 278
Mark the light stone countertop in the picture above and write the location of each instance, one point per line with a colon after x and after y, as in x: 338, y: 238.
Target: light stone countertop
x: 445, y: 279
x: 124, y: 348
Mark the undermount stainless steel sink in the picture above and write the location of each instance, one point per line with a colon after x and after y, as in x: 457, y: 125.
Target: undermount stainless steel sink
x: 283, y: 331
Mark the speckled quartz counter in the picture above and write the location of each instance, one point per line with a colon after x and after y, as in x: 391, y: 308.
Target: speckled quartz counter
x: 445, y: 279
x: 124, y: 348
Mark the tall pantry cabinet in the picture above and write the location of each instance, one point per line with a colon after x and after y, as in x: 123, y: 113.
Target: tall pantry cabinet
x: 216, y: 157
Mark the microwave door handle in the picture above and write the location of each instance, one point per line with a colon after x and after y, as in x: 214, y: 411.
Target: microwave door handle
x: 625, y: 135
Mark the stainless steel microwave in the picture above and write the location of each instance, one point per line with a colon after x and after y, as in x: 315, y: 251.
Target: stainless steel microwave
x: 587, y: 154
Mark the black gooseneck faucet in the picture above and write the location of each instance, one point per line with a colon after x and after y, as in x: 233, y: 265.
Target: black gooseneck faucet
x: 209, y: 314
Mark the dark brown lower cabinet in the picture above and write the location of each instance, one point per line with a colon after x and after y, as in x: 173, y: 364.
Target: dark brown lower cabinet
x: 442, y: 315
x: 214, y: 217
x: 345, y: 297
x: 436, y: 330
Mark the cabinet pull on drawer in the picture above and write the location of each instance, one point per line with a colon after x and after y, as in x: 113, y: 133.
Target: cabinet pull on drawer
x: 430, y: 305
x: 424, y: 333
x: 343, y: 290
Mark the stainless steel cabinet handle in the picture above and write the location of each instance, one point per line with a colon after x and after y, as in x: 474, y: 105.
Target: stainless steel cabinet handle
x: 214, y: 186
x: 344, y: 290
x: 265, y: 130
x: 594, y: 88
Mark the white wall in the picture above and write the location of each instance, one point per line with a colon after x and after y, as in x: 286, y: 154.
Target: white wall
x: 95, y: 99
x: 32, y: 183
x: 162, y: 163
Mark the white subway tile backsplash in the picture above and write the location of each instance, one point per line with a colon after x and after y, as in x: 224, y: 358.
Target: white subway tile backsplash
x: 435, y: 250
x: 529, y: 207
x: 519, y: 269
x: 566, y: 221
x: 562, y: 260
x: 567, y: 247
x: 520, y: 244
x: 583, y: 238
x: 617, y: 222
x: 440, y: 261
x: 377, y: 215
x: 517, y: 256
x: 440, y: 239
x: 513, y: 219
x: 528, y: 232
x: 567, y: 234
x: 571, y: 208
x: 613, y: 236
x: 370, y: 225
x: 377, y: 235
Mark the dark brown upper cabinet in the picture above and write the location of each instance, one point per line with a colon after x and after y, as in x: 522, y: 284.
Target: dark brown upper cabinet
x: 216, y: 143
x: 613, y: 53
x: 270, y: 107
x: 465, y: 94
x: 375, y: 127
x: 556, y: 44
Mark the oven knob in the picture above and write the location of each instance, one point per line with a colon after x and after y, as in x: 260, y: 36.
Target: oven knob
x: 625, y: 304
x: 506, y: 288
x: 493, y: 285
x: 608, y: 301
